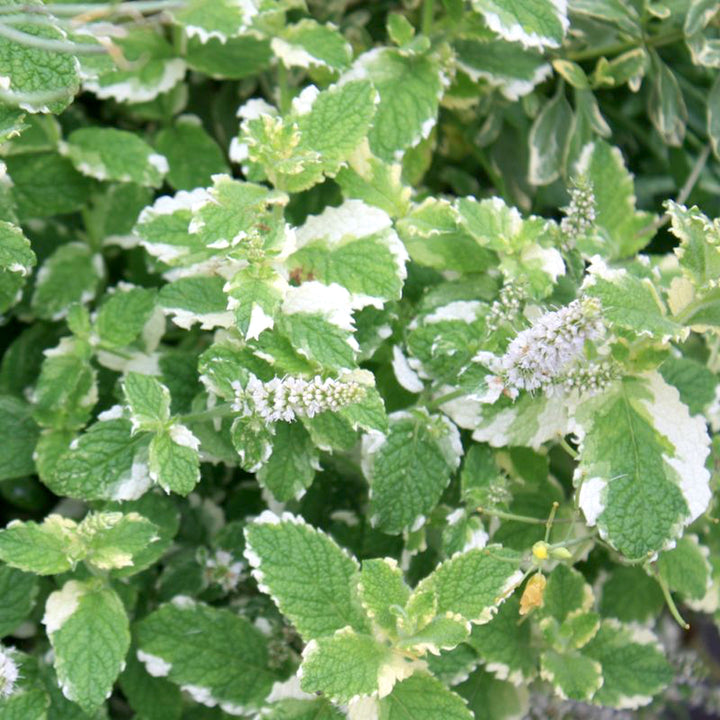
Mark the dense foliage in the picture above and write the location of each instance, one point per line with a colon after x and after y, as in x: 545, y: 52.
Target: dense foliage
x: 360, y: 359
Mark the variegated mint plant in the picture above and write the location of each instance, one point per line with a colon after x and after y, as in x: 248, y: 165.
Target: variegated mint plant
x: 359, y: 359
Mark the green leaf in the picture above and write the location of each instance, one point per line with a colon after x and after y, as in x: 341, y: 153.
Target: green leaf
x: 111, y: 154
x: 686, y: 568
x: 152, y: 698
x: 16, y: 262
x: 566, y: 593
x: 434, y: 236
x: 352, y: 245
x: 123, y: 315
x: 422, y: 697
x: 291, y: 467
x: 533, y: 23
x: 699, y: 248
x: 492, y: 699
x: 630, y: 302
x: 40, y: 80
x: 253, y: 441
x: 695, y: 382
x: 547, y: 140
x: 46, y: 184
x: 308, y: 576
x: 505, y: 647
x: 344, y: 665
x: 503, y: 65
x: 254, y: 297
x: 642, y: 465
x: 573, y: 675
x: 713, y: 117
x: 409, y: 468
x: 90, y: 634
x: 148, y: 401
x: 216, y: 656
x: 151, y: 68
x: 318, y: 339
x: 441, y: 633
x: 71, y: 274
x: 66, y: 390
x: 621, y: 229
x: 193, y: 156
x: 47, y: 549
x: 114, y: 539
x: 666, y: 106
x: 16, y: 457
x: 474, y: 583
x: 381, y: 586
x: 198, y: 299
x: 18, y: 590
x: 233, y: 60
x: 410, y: 87
x: 634, y: 667
x: 104, y: 463
x: 307, y: 44
x: 375, y: 182
x: 221, y: 19
x: 173, y: 460
x: 631, y: 595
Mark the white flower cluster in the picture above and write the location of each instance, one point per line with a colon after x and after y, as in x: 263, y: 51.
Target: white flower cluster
x: 507, y: 307
x: 589, y: 379
x: 9, y: 673
x: 288, y: 398
x: 580, y: 213
x: 221, y: 568
x: 541, y: 356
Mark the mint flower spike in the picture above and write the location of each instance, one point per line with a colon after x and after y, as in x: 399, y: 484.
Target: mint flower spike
x: 9, y: 673
x: 541, y: 355
x: 288, y: 398
x: 580, y: 213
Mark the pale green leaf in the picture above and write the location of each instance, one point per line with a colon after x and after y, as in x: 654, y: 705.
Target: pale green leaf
x: 89, y: 632
x: 319, y: 340
x: 123, y: 315
x: 631, y: 595
x: 152, y: 698
x: 686, y: 568
x: 148, y: 401
x: 193, y: 156
x: 309, y: 44
x: 381, y: 586
x: 547, y: 140
x: 474, y: 583
x: 213, y: 654
x: 343, y: 665
x: 71, y: 274
x: 573, y: 675
x: 16, y: 262
x: 309, y: 577
x: 422, y: 697
x: 533, y: 23
x: 492, y: 699
x: 642, y: 465
x: 634, y: 667
x: 18, y: 590
x: 622, y: 230
x: 173, y: 460
x: 504, y: 645
x: 16, y: 422
x: 105, y: 463
x: 410, y: 87
x: 409, y: 468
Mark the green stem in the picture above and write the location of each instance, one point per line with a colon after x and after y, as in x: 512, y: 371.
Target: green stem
x: 502, y: 515
x: 551, y: 519
x: 283, y: 83
x: 437, y: 402
x: 123, y: 8
x: 670, y: 602
x: 426, y: 21
x: 220, y: 411
x: 41, y: 43
x: 565, y: 445
x: 620, y: 47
